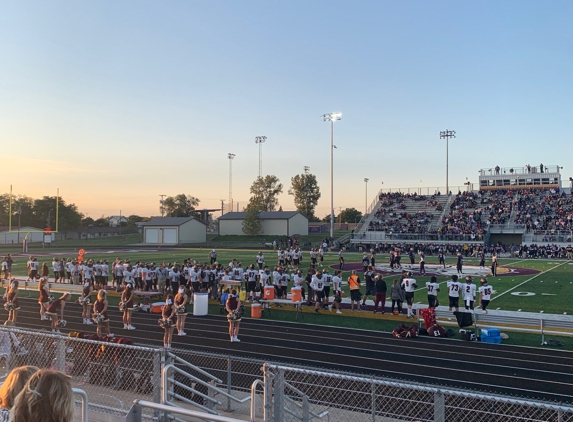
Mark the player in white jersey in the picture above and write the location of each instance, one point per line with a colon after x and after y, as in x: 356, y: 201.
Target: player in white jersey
x: 469, y: 293
x: 195, y: 278
x: 454, y: 289
x: 313, y: 257
x: 251, y: 279
x: 129, y: 276
x: 298, y: 282
x: 264, y: 278
x: 337, y: 289
x: 296, y: 258
x: 281, y: 257
x: 261, y: 260
x: 433, y: 288
x: 485, y: 292
x: 172, y: 282
x: 88, y: 272
x: 317, y: 285
x: 327, y: 283
x: 56, y: 269
x: 104, y: 272
x: 409, y: 285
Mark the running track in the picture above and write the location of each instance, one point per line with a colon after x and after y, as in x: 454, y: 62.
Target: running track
x: 544, y: 374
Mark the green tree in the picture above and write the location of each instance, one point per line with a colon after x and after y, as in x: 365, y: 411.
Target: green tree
x: 181, y: 206
x: 350, y: 215
x: 44, y: 212
x: 252, y: 224
x: 264, y: 193
x: 306, y: 194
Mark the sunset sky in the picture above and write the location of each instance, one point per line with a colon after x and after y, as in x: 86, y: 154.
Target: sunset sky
x: 115, y: 103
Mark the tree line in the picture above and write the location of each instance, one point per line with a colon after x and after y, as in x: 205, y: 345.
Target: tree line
x: 41, y: 213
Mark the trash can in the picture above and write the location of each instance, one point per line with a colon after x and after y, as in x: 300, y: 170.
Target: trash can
x: 200, y: 304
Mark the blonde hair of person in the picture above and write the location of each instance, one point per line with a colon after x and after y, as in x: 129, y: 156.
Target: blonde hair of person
x: 46, y: 397
x: 14, y: 383
x: 101, y: 294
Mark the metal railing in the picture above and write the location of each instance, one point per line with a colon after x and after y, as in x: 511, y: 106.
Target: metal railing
x: 84, y: 403
x: 536, y: 170
x: 136, y: 414
x: 352, y: 398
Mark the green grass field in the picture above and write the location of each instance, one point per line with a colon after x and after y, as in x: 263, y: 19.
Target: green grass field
x: 550, y: 291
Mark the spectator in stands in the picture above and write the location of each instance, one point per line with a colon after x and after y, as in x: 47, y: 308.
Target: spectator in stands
x: 46, y: 397
x: 496, y: 169
x: 14, y: 383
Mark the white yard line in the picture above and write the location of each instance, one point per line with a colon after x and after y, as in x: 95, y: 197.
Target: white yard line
x: 528, y: 280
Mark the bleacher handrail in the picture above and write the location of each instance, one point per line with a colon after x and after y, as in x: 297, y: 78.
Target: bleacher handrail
x: 84, y: 400
x: 135, y: 413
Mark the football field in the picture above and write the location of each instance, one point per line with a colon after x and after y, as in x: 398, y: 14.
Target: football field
x: 530, y: 285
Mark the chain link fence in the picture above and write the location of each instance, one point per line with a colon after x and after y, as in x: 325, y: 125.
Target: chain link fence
x: 304, y: 394
x: 113, y: 375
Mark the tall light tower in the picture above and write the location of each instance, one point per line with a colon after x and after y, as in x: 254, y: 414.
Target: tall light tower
x: 260, y: 140
x: 161, y: 205
x: 331, y: 117
x: 447, y: 134
x: 366, y: 198
x: 230, y: 157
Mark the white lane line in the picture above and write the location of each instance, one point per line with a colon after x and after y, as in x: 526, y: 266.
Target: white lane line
x: 528, y: 280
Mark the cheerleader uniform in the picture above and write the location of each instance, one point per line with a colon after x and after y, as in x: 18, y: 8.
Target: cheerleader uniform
x: 166, y: 312
x: 99, y: 305
x: 129, y: 304
x: 12, y: 298
x: 86, y: 293
x: 233, y: 305
x: 44, y: 298
x: 179, y: 301
x: 53, y: 308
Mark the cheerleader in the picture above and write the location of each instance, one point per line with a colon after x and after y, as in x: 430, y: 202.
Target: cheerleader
x: 233, y: 306
x: 126, y: 306
x: 181, y: 299
x: 12, y: 300
x: 52, y: 311
x: 85, y: 300
x: 168, y: 312
x: 100, y: 309
x: 43, y: 298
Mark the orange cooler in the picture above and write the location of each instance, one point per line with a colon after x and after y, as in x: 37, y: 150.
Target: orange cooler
x: 269, y: 292
x: 256, y: 310
x: 296, y: 295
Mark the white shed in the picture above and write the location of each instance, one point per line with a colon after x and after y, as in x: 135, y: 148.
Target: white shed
x: 276, y: 223
x: 174, y: 230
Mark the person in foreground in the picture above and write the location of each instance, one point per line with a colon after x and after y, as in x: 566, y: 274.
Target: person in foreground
x: 46, y: 397
x: 14, y: 383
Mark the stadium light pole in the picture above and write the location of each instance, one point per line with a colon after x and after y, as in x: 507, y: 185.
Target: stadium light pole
x: 447, y: 134
x: 260, y: 140
x: 366, y: 197
x: 306, y: 169
x: 331, y: 117
x: 230, y: 157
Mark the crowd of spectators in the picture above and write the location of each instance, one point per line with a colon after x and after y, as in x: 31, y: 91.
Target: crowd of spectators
x: 545, y: 210
x: 392, y: 215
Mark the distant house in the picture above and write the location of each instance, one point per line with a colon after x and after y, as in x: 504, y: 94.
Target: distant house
x: 274, y: 223
x: 114, y: 220
x: 174, y: 230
